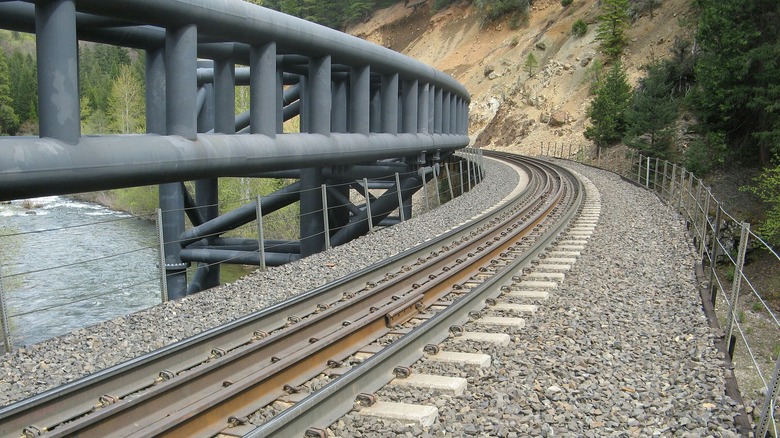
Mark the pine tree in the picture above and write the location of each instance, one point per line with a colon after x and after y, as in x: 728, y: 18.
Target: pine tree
x: 613, y: 23
x: 738, y: 72
x: 531, y: 64
x: 9, y: 121
x: 652, y: 114
x: 23, y: 82
x: 608, y: 108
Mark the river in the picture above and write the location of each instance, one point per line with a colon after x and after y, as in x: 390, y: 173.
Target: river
x: 68, y: 264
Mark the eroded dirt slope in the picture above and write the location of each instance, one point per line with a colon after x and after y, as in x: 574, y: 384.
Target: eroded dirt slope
x: 511, y: 110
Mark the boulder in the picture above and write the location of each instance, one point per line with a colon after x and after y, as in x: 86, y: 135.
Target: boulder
x: 558, y: 118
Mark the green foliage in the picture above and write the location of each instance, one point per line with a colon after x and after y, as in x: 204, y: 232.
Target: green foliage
x: 23, y: 82
x: 608, y: 108
x: 613, y: 22
x: 531, y: 64
x: 9, y: 120
x: 767, y: 187
x: 738, y: 74
x: 579, y: 28
x: 706, y: 153
x: 652, y: 114
x: 139, y: 201
x: 331, y: 13
x: 493, y: 10
x: 595, y: 74
x: 441, y: 4
x: 566, y: 3
x: 126, y: 104
x: 680, y: 68
x: 99, y: 64
x: 639, y: 7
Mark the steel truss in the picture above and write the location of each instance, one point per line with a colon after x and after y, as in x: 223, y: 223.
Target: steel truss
x: 366, y: 113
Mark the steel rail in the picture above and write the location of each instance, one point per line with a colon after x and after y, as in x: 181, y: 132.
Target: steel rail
x: 48, y: 409
x: 194, y: 403
x: 323, y: 407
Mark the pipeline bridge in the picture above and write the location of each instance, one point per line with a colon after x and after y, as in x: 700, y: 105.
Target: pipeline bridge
x: 369, y: 118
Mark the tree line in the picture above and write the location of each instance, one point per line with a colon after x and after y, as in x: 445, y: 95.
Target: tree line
x: 725, y: 80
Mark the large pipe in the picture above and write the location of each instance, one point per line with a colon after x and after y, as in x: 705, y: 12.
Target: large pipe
x: 31, y: 167
x: 242, y: 215
x: 380, y: 209
x: 213, y: 256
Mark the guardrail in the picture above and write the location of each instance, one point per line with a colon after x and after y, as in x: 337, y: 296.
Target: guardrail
x: 722, y: 244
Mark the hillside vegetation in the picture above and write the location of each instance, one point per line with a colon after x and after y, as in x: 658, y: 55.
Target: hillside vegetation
x: 692, y: 81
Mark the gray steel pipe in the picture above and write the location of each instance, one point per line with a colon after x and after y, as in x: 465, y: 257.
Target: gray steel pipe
x: 246, y: 23
x: 31, y: 166
x: 213, y: 256
x: 242, y: 215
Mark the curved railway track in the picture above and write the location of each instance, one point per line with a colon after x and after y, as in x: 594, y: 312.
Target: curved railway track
x: 212, y: 383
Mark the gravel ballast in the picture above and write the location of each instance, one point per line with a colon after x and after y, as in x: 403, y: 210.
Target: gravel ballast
x: 621, y: 348
x: 36, y: 368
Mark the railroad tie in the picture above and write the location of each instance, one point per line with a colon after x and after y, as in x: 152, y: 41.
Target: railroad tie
x: 422, y: 415
x: 454, y: 386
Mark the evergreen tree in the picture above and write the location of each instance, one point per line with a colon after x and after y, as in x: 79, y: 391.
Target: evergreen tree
x: 23, y: 82
x: 9, y: 121
x: 652, y: 114
x: 531, y: 64
x: 738, y: 75
x: 613, y: 23
x: 608, y: 108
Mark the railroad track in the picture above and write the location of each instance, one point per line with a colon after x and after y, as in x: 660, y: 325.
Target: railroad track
x: 394, y: 312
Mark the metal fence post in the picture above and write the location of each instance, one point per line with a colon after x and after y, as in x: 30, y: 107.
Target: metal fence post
x: 714, y: 254
x: 449, y: 180
x: 4, y: 324
x: 639, y: 171
x: 663, y: 182
x: 655, y: 175
x: 161, y: 253
x: 672, y: 183
x: 436, y: 184
x: 768, y: 409
x: 425, y: 190
x: 370, y: 217
x: 460, y: 173
x: 681, y: 189
x: 400, y: 197
x: 326, y: 227
x: 260, y: 232
x: 735, y: 286
x: 468, y: 172
x: 704, y: 223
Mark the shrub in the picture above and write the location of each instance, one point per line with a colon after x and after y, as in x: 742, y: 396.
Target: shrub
x: 492, y: 10
x: 705, y: 154
x: 767, y: 187
x: 579, y: 28
x: 566, y: 3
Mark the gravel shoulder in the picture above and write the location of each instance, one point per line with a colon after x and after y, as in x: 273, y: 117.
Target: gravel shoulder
x: 622, y: 348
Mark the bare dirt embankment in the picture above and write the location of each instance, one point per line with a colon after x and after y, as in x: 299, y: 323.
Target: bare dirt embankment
x: 522, y: 110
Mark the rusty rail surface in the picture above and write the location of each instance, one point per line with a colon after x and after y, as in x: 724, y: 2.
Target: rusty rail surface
x: 202, y: 385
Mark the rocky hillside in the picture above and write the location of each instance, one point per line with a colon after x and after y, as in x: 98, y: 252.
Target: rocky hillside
x: 521, y: 110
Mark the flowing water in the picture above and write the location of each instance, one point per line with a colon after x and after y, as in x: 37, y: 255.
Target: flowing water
x: 67, y: 264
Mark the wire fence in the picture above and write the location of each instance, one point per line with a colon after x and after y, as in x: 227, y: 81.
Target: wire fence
x: 744, y: 300
x: 60, y: 289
